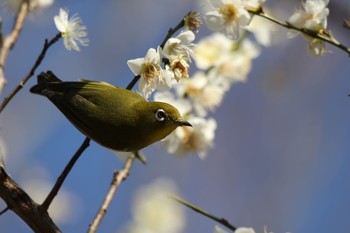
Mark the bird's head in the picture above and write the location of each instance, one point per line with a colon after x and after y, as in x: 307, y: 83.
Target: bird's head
x: 160, y: 119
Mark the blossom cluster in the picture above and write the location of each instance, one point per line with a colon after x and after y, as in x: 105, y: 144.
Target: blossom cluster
x: 232, y: 16
x: 222, y: 58
x: 312, y: 17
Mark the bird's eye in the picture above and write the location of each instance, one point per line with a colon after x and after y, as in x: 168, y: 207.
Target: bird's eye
x: 160, y: 115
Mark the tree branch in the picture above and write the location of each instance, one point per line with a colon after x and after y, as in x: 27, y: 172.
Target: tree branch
x: 40, y: 58
x: 10, y: 40
x: 29, y: 211
x: 203, y: 212
x: 118, y: 178
x: 322, y: 35
x: 45, y: 205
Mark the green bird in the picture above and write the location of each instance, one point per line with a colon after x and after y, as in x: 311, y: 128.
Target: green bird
x: 114, y: 117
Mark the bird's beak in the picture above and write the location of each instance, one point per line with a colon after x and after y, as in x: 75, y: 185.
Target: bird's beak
x: 181, y: 122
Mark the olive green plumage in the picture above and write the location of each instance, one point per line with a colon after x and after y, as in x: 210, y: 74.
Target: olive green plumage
x: 114, y: 117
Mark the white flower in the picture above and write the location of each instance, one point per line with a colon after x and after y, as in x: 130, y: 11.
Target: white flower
x: 72, y: 30
x: 179, y: 66
x: 183, y: 105
x: 33, y: 4
x: 154, y: 212
x: 180, y: 45
x: 228, y: 17
x: 152, y: 75
x: 313, y: 17
x: 205, y: 92
x: 196, y: 139
x: 316, y: 47
x: 210, y: 49
x: 218, y: 229
x: 236, y: 65
x: 244, y: 230
x: 252, y: 4
x: 262, y: 30
x: 193, y: 21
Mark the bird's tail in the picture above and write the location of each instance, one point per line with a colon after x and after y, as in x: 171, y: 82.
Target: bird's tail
x: 44, y: 79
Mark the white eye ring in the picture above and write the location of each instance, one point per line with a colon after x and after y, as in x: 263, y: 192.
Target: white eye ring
x: 160, y: 115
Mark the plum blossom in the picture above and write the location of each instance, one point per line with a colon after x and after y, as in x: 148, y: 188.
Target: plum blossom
x: 180, y: 45
x: 210, y: 49
x: 205, y: 93
x: 152, y: 75
x: 72, y: 30
x: 154, y: 212
x: 228, y: 17
x: 218, y: 229
x: 197, y: 139
x: 313, y: 17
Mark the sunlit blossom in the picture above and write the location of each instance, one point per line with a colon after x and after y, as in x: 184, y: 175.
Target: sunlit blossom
x: 197, y: 139
x: 262, y: 30
x: 313, y: 16
x: 193, y: 21
x: 218, y: 229
x: 228, y: 17
x: 182, y: 104
x: 72, y: 30
x: 152, y: 75
x: 210, y: 49
x: 316, y: 47
x: 205, y: 93
x: 252, y: 4
x: 179, y: 66
x: 236, y: 65
x: 154, y: 211
x: 180, y: 45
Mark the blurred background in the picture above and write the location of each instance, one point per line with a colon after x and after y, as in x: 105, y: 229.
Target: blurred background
x: 281, y: 155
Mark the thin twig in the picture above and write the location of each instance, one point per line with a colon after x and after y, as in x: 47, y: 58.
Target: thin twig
x: 9, y: 41
x: 171, y: 32
x: 322, y: 35
x: 118, y: 178
x: 133, y: 82
x: 203, y: 212
x: 1, y: 35
x: 45, y: 205
x: 346, y: 23
x: 4, y: 210
x: 38, y: 61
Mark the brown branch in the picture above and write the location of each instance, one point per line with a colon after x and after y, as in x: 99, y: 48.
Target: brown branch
x: 172, y: 31
x: 203, y: 212
x: 19, y: 202
x: 118, y: 178
x: 45, y: 205
x: 322, y: 35
x: 38, y: 61
x: 133, y: 82
x: 9, y: 41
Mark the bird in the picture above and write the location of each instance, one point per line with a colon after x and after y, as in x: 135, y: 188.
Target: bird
x: 114, y: 117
